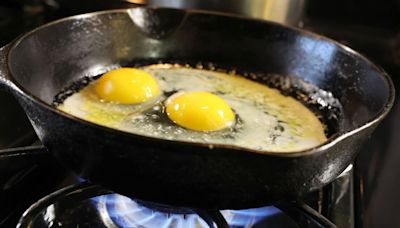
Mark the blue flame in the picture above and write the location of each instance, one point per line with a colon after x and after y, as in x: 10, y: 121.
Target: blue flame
x: 121, y: 211
x: 248, y: 217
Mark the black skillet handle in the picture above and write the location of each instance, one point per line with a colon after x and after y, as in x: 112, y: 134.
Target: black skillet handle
x: 5, y: 82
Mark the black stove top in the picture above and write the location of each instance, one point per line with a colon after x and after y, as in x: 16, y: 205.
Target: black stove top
x: 369, y: 199
x: 36, y: 192
x: 86, y: 205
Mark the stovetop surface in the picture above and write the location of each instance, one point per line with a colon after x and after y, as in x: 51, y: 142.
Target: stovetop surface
x: 376, y: 170
x: 87, y: 205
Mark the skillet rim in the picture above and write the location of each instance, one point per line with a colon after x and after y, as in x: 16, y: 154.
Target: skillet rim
x: 330, y: 142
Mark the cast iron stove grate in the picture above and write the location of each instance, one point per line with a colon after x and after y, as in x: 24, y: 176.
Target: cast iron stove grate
x: 87, y: 205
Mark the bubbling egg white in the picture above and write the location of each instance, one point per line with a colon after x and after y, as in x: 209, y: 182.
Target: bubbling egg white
x: 266, y: 120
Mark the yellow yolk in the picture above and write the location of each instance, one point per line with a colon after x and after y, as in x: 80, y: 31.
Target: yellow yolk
x: 200, y: 111
x: 126, y: 86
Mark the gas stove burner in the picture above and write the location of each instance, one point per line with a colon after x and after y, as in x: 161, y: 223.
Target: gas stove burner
x: 122, y: 211
x: 87, y: 205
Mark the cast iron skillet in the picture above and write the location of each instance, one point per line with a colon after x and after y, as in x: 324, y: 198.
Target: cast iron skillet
x: 36, y: 66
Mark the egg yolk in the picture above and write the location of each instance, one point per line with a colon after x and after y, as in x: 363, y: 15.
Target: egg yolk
x: 126, y: 86
x: 200, y: 111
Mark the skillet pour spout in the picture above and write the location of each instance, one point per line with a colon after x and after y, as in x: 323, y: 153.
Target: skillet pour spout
x: 38, y: 65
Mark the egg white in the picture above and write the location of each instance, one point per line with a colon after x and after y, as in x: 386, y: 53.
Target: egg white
x: 267, y: 120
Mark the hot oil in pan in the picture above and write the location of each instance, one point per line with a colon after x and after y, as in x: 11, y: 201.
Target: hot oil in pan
x: 276, y: 134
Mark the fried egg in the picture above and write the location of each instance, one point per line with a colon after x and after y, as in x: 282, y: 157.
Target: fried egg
x: 126, y: 86
x: 198, y: 105
x: 200, y: 111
